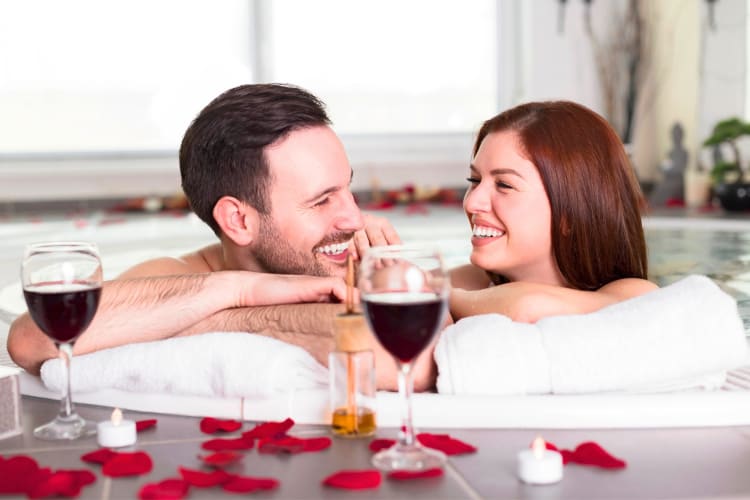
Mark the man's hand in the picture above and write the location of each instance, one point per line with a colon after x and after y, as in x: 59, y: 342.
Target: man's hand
x: 270, y: 289
x: 378, y: 231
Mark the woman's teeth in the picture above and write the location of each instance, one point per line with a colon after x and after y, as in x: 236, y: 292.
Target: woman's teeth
x: 485, y: 232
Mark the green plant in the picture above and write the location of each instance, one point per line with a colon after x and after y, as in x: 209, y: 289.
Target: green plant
x: 727, y: 131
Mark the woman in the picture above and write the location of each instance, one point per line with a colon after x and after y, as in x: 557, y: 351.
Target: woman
x: 554, y: 207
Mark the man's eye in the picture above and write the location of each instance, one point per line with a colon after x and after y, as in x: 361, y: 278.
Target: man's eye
x: 322, y: 202
x: 473, y: 180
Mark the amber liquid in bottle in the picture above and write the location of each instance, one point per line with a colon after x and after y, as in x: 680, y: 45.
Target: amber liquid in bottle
x: 345, y: 423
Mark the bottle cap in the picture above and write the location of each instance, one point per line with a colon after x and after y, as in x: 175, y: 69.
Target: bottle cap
x: 351, y: 333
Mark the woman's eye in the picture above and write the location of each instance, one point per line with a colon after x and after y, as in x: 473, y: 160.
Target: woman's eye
x: 502, y: 185
x: 472, y: 180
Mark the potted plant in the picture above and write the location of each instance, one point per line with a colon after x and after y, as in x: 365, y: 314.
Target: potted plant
x: 728, y: 176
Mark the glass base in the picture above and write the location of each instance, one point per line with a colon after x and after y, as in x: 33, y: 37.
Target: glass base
x: 72, y: 427
x: 410, y: 458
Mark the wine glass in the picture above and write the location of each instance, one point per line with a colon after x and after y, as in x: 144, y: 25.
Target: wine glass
x: 404, y: 291
x: 62, y: 283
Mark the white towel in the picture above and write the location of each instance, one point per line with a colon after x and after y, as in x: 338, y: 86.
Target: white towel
x: 683, y: 335
x: 226, y: 364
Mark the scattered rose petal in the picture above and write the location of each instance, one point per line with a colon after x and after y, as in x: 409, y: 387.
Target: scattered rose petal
x: 269, y: 429
x: 401, y: 475
x: 246, y: 484
x: 16, y: 473
x: 590, y: 453
x: 291, y: 444
x: 210, y: 425
x: 221, y: 444
x: 168, y: 489
x: 442, y: 442
x: 220, y: 458
x: 445, y: 443
x: 381, y: 444
x: 66, y: 483
x: 142, y: 425
x: 354, y: 479
x: 100, y: 456
x: 204, y: 479
x: 128, y: 464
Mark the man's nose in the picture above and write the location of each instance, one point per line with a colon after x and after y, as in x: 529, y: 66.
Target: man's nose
x: 350, y: 216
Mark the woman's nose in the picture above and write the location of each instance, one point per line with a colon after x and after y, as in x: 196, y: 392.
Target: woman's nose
x: 476, y: 199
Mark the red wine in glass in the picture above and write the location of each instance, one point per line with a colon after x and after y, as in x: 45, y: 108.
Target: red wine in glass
x: 404, y: 291
x: 62, y: 284
x: 62, y: 311
x: 404, y: 323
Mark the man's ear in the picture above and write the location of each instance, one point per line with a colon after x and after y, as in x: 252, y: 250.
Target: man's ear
x: 237, y: 220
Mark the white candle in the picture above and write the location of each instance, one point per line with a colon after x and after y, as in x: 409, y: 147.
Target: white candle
x: 540, y: 465
x: 116, y: 432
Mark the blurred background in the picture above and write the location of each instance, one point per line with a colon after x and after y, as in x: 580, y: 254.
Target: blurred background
x: 95, y: 95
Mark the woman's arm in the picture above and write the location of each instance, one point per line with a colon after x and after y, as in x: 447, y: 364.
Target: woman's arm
x: 529, y: 302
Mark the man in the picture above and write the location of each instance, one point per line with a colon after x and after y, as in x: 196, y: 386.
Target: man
x: 261, y: 166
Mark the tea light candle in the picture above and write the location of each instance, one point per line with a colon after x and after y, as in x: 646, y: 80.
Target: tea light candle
x: 115, y: 432
x: 540, y: 465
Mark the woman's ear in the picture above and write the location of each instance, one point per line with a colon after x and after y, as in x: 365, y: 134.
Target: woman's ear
x: 237, y: 220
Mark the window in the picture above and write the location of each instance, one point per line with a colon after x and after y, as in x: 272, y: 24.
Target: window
x: 406, y: 83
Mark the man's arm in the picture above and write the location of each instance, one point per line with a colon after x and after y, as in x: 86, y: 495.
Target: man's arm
x: 145, y: 309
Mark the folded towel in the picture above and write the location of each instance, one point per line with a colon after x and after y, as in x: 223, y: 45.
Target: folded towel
x: 227, y: 364
x: 683, y: 335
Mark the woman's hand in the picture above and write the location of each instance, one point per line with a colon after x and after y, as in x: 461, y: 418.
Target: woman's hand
x: 378, y: 231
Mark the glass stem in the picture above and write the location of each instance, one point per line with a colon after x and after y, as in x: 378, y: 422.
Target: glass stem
x: 405, y: 387
x: 66, y: 403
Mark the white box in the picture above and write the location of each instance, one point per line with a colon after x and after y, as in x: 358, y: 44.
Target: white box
x: 10, y: 402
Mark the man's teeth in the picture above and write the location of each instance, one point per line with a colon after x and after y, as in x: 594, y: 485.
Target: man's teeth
x: 486, y: 232
x: 334, y: 249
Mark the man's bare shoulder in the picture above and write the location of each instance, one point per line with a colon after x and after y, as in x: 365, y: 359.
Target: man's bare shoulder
x: 207, y: 259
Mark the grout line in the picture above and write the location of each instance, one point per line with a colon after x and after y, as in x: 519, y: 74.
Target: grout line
x: 461, y: 480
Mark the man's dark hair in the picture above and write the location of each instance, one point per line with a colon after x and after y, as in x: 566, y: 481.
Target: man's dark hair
x: 222, y: 152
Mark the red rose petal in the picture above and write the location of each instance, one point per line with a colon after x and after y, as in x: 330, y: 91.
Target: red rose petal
x: 246, y: 484
x: 16, y: 474
x: 381, y: 444
x: 354, y: 479
x: 401, y: 475
x: 52, y: 484
x: 291, y: 444
x: 168, y: 489
x: 204, y: 479
x: 286, y: 444
x: 142, y: 425
x: 590, y: 453
x: 445, y: 443
x: 210, y: 425
x: 269, y: 429
x: 220, y: 444
x: 100, y: 456
x: 81, y: 478
x: 220, y: 458
x: 128, y: 464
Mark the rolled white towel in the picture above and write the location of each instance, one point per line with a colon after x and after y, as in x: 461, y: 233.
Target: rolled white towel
x: 225, y: 364
x: 683, y: 335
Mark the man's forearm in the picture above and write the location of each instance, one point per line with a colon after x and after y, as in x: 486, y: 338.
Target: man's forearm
x: 309, y: 326
x: 136, y: 310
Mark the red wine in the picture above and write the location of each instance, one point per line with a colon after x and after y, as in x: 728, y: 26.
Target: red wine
x: 62, y: 311
x: 404, y: 323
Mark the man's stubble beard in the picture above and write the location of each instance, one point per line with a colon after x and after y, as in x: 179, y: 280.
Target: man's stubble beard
x: 275, y: 255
